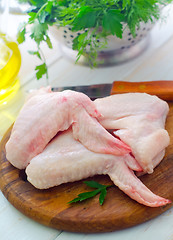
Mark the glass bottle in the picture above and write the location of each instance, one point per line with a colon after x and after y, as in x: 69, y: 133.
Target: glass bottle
x: 10, y: 60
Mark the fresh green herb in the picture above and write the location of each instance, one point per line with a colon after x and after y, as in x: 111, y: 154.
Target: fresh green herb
x: 102, y: 189
x: 97, y: 19
x: 41, y: 70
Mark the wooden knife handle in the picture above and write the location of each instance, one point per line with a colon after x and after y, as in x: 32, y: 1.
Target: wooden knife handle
x: 162, y: 89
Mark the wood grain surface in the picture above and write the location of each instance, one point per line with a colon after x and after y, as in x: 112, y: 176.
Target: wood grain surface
x: 163, y: 89
x: 50, y: 207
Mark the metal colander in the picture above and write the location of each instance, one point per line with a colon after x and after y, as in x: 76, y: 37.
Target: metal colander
x: 117, y: 51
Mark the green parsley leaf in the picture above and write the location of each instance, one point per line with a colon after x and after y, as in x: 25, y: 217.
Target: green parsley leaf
x: 49, y: 6
x: 38, y: 31
x: 83, y: 196
x: 112, y: 22
x: 102, y: 196
x: 37, y: 3
x: 125, y: 3
x: 85, y: 19
x: 102, y: 189
x: 94, y: 184
x: 48, y: 41
x: 79, y: 41
x: 32, y: 15
x: 41, y: 70
x: 21, y: 34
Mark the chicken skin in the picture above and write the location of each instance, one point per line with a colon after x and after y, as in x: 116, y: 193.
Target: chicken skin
x: 46, y: 113
x: 67, y: 160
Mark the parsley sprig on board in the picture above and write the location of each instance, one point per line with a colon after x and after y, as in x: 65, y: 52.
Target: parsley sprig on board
x: 98, y: 19
x: 99, y: 188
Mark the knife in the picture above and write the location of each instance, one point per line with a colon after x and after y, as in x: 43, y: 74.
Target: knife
x: 162, y: 89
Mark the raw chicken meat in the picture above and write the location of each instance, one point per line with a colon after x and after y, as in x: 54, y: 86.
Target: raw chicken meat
x: 137, y: 140
x: 46, y: 113
x: 138, y: 119
x: 67, y: 160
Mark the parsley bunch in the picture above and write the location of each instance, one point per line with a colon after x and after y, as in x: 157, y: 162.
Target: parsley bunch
x: 99, y: 188
x: 98, y: 19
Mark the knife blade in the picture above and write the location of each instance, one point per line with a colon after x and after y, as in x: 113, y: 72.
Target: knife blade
x: 92, y: 91
x: 162, y: 89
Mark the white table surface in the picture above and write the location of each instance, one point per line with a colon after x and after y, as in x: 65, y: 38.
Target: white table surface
x: 156, y: 63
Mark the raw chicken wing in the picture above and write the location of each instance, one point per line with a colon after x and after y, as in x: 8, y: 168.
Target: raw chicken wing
x: 67, y: 160
x: 46, y: 113
x: 138, y: 119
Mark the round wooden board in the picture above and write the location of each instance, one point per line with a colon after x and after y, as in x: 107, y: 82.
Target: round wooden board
x: 50, y: 207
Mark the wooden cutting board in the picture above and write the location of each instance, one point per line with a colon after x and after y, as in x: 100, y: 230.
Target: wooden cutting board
x: 50, y: 207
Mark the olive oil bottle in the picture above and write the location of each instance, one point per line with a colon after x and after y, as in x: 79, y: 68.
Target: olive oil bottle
x: 10, y: 62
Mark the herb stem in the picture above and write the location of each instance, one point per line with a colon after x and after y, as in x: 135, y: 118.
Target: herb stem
x: 44, y: 60
x: 40, y: 10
